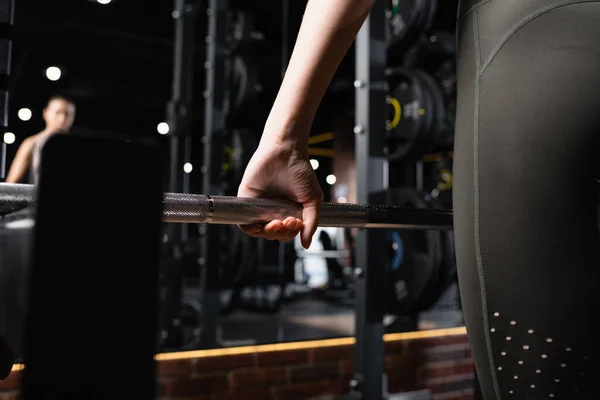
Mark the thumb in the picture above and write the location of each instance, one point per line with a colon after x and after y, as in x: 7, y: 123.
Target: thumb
x: 310, y: 219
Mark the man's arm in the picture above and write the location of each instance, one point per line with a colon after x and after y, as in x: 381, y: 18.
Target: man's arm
x: 328, y: 29
x: 21, y: 161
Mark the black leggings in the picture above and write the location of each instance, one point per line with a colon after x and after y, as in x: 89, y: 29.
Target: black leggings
x: 526, y: 195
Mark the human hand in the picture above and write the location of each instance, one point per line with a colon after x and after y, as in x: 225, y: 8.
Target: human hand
x: 283, y: 172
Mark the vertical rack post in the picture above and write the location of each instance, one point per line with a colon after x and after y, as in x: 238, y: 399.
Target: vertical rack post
x: 214, y: 124
x: 7, y: 8
x: 180, y: 116
x: 180, y: 107
x: 372, y: 181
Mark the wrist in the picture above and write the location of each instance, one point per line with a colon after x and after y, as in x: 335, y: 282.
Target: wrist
x: 289, y: 133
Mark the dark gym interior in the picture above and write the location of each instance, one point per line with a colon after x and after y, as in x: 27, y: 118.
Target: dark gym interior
x: 177, y: 73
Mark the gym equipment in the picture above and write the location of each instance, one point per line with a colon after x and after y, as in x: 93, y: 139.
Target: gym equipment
x: 14, y: 245
x: 368, y: 378
x: 319, y: 139
x: 438, y: 179
x: 241, y: 26
x: 190, y: 208
x: 240, y: 145
x: 447, y: 272
x: 324, y: 268
x: 416, y: 257
x: 261, y: 276
x: 436, y: 58
x: 251, y: 65
x: 337, y: 276
x: 440, y: 44
x: 446, y: 76
x: 416, y: 113
x: 229, y: 210
x: 54, y: 261
x: 251, y: 85
x: 421, y: 263
x: 408, y: 20
x: 240, y: 262
x: 6, y: 24
x: 7, y: 358
x: 244, y: 83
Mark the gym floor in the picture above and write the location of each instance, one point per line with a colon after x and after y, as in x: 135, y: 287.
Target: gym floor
x: 307, y: 317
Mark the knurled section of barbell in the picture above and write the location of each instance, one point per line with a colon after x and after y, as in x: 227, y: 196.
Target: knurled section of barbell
x: 186, y: 208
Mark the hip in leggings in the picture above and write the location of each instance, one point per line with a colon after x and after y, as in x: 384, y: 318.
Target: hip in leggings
x: 526, y: 195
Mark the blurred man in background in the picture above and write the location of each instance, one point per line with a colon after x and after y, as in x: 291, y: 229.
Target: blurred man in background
x: 59, y: 115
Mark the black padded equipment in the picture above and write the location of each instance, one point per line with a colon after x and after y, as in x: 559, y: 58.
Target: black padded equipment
x: 91, y: 239
x: 16, y: 231
x: 7, y: 359
x: 107, y: 262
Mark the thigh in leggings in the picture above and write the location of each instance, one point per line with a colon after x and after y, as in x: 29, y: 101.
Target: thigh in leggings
x: 525, y: 195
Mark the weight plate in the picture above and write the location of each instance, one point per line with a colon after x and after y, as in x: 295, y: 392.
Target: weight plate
x: 432, y: 8
x: 437, y: 282
x: 414, y: 258
x: 244, y: 82
x: 240, y: 261
x: 406, y: 23
x: 406, y: 121
x: 440, y: 44
x: 423, y: 143
x: 416, y: 113
x: 437, y: 111
x: 252, y: 88
x: 446, y: 78
x: 447, y: 271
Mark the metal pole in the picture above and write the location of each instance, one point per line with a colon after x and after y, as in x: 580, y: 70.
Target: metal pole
x: 179, y: 121
x: 214, y: 124
x: 372, y: 181
x: 7, y: 8
x: 180, y: 107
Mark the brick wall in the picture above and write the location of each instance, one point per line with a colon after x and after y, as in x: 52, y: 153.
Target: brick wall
x: 436, y: 360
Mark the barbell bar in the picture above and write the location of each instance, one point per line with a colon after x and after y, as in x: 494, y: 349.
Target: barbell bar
x: 231, y: 210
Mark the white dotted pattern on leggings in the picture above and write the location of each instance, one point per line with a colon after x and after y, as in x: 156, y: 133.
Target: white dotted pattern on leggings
x: 512, y: 333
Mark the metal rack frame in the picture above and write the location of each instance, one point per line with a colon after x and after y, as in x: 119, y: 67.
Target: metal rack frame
x: 215, y: 111
x: 372, y: 180
x: 6, y: 32
x: 179, y: 119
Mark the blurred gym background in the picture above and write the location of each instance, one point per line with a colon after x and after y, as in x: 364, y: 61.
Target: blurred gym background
x: 130, y: 66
